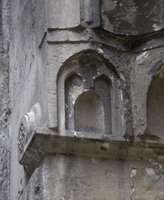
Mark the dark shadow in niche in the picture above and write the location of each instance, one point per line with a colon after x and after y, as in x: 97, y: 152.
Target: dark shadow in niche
x: 73, y: 83
x: 89, y: 113
x: 155, y: 104
x: 103, y: 90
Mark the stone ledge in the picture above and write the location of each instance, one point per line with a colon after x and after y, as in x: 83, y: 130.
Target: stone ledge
x: 46, y: 141
x: 99, y: 37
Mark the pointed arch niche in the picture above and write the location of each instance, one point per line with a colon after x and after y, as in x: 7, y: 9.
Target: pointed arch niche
x: 155, y: 104
x: 89, y: 98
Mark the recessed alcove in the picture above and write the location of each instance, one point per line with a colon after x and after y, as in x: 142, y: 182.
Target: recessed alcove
x: 155, y: 104
x: 73, y: 83
x: 89, y: 98
x: 88, y: 109
x: 89, y: 113
x: 102, y: 86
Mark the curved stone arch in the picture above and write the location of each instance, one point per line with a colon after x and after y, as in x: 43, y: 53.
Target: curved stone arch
x: 73, y: 73
x: 140, y: 87
x: 153, y: 70
x: 54, y: 73
x: 74, y: 57
x: 73, y: 87
x: 155, y: 100
x: 90, y: 66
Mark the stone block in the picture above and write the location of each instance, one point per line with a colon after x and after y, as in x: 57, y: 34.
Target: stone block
x: 132, y: 17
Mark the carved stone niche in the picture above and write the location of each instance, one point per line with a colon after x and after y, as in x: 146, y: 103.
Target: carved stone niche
x: 155, y: 104
x: 89, y: 99
x: 30, y: 153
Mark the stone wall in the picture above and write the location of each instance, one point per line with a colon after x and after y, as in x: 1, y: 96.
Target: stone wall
x: 83, y: 80
x: 72, y: 177
x: 5, y: 141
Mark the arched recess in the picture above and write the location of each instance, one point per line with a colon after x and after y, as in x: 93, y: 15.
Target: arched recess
x: 103, y: 88
x: 155, y: 104
x: 89, y: 113
x: 83, y: 76
x: 73, y: 84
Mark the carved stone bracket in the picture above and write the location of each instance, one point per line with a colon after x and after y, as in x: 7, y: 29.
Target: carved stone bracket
x: 22, y: 137
x: 30, y: 150
x: 33, y: 156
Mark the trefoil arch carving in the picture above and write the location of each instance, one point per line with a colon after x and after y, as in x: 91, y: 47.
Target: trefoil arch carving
x: 89, y: 98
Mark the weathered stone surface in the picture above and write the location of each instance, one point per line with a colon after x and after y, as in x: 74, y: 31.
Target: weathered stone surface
x: 4, y: 25
x: 5, y: 140
x: 132, y: 17
x: 143, y: 71
x: 71, y: 58
x: 59, y: 12
x: 73, y: 178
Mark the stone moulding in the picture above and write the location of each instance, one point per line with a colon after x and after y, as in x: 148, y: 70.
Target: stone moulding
x: 46, y: 141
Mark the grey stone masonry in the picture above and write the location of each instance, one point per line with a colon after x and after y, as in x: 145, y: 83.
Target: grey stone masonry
x: 86, y: 92
x: 5, y: 139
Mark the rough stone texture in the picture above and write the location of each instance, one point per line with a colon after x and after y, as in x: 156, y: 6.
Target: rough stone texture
x: 127, y: 17
x: 5, y: 141
x: 4, y: 24
x: 74, y: 178
x: 4, y: 131
x: 59, y: 52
